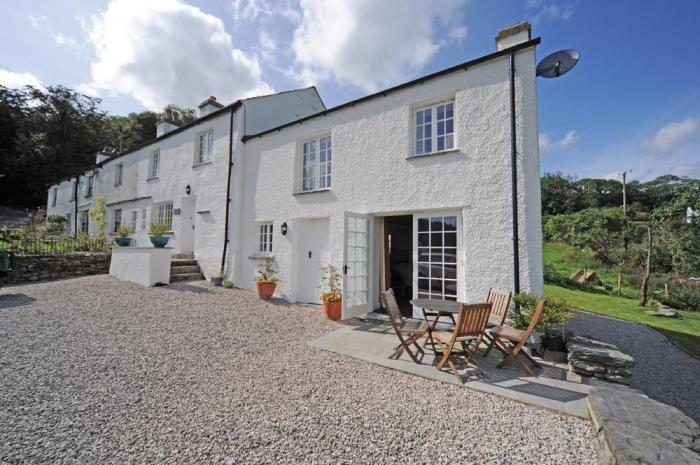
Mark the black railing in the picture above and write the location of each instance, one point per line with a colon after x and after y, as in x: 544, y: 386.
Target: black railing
x: 28, y: 244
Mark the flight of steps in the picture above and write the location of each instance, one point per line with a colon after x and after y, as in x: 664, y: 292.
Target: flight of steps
x: 183, y: 267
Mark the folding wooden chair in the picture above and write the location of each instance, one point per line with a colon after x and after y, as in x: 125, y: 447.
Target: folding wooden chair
x: 471, y: 325
x: 408, y: 333
x: 500, y: 304
x: 511, y: 341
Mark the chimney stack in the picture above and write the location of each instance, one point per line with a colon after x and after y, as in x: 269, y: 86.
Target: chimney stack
x: 513, y: 35
x: 168, y: 122
x: 208, y: 106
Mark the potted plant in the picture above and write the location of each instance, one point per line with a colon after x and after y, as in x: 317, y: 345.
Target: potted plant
x: 123, y: 239
x: 266, y: 280
x: 228, y: 284
x: 157, y: 232
x: 330, y: 293
x: 556, y: 313
x: 217, y: 278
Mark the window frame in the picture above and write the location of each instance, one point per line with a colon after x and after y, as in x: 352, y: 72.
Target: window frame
x: 154, y: 165
x: 118, y: 174
x: 84, y: 226
x: 89, y: 186
x: 434, y: 125
x: 161, y: 212
x: 265, y: 231
x: 134, y: 219
x: 54, y: 196
x: 327, y: 164
x: 116, y: 220
x: 198, y: 147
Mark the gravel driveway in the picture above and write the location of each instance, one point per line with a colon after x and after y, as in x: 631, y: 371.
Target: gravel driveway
x: 94, y: 370
x: 663, y: 371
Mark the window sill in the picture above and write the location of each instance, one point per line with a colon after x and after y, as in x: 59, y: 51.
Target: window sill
x: 325, y: 189
x: 152, y: 178
x: 208, y: 162
x: 261, y: 256
x: 432, y: 154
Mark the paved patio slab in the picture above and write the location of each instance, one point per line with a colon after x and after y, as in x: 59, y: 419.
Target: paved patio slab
x: 553, y: 388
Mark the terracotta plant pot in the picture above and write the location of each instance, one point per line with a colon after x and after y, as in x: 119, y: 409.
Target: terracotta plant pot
x: 265, y: 290
x: 333, y: 310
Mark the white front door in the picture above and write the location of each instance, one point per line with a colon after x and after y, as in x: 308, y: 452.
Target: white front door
x: 186, y: 233
x: 313, y: 252
x: 357, y: 264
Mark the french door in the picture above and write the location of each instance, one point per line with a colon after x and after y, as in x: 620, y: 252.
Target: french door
x: 357, y: 264
x: 436, y: 256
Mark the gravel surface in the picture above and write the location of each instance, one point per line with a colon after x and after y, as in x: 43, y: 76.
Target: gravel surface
x: 94, y: 370
x: 662, y: 371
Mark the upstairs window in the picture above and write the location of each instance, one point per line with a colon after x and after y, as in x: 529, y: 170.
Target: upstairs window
x: 265, y: 238
x: 54, y: 196
x: 118, y: 173
x: 206, y: 142
x: 434, y: 128
x: 165, y: 214
x: 89, y: 186
x: 117, y: 223
x: 155, y: 165
x: 316, y: 164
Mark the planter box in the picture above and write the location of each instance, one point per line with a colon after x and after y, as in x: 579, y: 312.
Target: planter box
x: 147, y: 266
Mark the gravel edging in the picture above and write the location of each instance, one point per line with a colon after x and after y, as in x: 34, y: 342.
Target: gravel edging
x: 662, y: 370
x: 95, y: 370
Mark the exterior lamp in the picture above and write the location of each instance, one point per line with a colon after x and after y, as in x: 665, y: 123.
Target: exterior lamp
x: 283, y: 229
x: 187, y: 189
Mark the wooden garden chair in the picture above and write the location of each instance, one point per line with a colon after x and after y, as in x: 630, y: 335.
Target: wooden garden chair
x: 500, y: 304
x: 511, y: 341
x: 470, y: 327
x: 408, y: 333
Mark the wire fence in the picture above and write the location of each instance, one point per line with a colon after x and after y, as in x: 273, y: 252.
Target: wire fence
x: 52, y: 245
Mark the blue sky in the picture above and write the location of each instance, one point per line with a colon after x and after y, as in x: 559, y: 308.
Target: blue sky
x: 633, y: 102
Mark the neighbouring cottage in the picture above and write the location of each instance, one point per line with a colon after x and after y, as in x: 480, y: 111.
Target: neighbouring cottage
x: 408, y: 188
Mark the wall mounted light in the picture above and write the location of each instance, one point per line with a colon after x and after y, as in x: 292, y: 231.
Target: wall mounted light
x: 187, y: 189
x: 283, y: 229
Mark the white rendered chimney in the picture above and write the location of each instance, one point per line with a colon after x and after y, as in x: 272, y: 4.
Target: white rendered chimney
x: 513, y: 35
x: 167, y: 124
x: 101, y: 156
x: 208, y: 106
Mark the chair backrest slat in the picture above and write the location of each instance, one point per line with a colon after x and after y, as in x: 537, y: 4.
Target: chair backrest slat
x: 500, y: 301
x: 472, y: 319
x: 392, y: 308
x: 535, y: 318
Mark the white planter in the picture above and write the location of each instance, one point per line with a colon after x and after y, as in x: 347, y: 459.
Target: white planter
x: 143, y: 265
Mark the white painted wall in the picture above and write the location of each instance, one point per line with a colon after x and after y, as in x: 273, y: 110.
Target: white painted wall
x: 372, y: 173
x: 147, y: 266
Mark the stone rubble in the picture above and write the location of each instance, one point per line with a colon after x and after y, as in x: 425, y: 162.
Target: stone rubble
x: 595, y: 358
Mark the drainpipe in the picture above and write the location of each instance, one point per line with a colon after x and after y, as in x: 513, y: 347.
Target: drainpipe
x: 228, y: 186
x: 514, y: 178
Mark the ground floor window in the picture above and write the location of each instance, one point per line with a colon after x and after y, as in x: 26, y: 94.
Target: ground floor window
x: 437, y: 257
x: 84, y: 222
x: 265, y: 237
x: 165, y: 214
x: 117, y: 223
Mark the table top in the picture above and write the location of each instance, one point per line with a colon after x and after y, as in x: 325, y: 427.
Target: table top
x: 437, y: 305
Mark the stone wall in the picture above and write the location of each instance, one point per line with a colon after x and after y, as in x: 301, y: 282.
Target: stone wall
x: 35, y: 268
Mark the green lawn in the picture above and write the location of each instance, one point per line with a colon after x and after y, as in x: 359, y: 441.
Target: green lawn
x: 684, y: 331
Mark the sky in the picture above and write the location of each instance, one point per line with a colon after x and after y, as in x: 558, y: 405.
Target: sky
x: 632, y: 102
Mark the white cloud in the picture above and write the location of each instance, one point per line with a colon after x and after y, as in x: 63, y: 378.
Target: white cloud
x: 547, y: 142
x: 268, y: 47
x: 37, y: 21
x: 60, y: 39
x: 459, y: 33
x: 673, y: 136
x: 16, y: 80
x: 367, y: 43
x: 549, y: 11
x: 165, y: 51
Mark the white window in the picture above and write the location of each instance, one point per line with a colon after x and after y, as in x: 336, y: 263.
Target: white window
x: 90, y: 184
x: 118, y: 173
x: 434, y: 128
x: 155, y: 165
x: 54, y: 196
x: 143, y: 219
x: 265, y: 238
x: 206, y: 141
x: 84, y: 222
x: 117, y: 223
x: 165, y: 214
x: 134, y: 219
x: 316, y: 164
x: 437, y: 257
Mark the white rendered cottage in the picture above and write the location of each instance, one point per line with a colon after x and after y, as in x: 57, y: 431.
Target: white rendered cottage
x: 408, y: 188
x: 179, y: 178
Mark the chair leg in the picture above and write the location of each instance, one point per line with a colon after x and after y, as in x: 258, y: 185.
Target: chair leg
x: 493, y: 342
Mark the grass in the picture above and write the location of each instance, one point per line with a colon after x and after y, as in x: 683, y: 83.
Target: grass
x: 683, y: 331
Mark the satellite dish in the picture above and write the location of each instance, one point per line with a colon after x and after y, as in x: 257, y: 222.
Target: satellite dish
x: 558, y: 63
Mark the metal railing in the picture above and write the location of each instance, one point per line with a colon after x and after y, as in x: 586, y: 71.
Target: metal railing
x: 29, y: 244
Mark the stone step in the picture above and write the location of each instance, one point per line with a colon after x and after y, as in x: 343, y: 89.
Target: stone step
x: 183, y: 256
x: 184, y: 270
x: 182, y: 262
x: 175, y: 278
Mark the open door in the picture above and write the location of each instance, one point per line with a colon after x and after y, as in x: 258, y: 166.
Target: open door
x: 357, y: 265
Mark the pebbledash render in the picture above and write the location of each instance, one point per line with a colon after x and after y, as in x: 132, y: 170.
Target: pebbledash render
x: 408, y: 188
